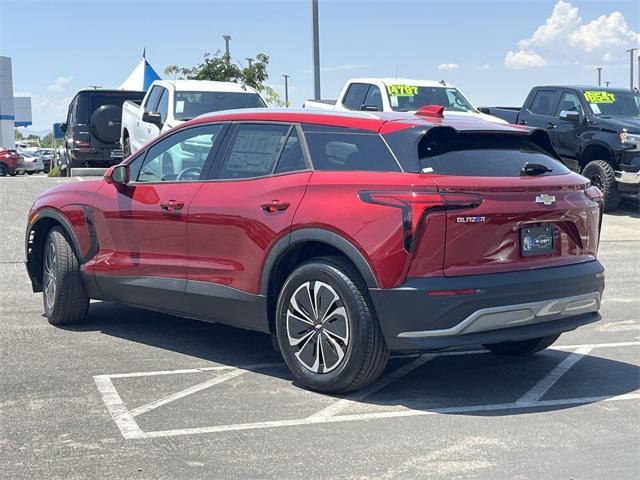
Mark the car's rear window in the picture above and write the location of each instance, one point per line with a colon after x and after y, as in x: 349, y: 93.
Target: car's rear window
x: 343, y: 149
x: 484, y: 155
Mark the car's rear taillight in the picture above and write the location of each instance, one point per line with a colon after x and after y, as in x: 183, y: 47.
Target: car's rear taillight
x: 594, y: 193
x: 416, y: 204
x: 83, y: 144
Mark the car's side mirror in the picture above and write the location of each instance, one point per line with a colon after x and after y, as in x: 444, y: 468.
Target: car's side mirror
x: 117, y: 174
x: 153, y: 118
x: 570, y: 115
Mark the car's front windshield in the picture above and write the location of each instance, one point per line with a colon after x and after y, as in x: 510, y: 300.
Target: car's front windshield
x: 606, y: 103
x: 189, y: 105
x: 410, y: 98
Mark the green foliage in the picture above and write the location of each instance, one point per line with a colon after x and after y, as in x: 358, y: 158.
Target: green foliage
x: 18, y: 135
x: 220, y: 68
x: 54, y: 172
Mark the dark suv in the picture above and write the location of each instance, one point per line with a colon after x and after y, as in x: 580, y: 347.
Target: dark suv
x: 92, y: 130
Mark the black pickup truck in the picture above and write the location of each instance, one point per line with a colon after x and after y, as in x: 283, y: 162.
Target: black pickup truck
x: 595, y: 130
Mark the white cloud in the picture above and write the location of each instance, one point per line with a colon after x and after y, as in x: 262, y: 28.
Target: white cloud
x: 448, y: 66
x: 485, y: 66
x: 524, y: 59
x: 59, y: 84
x: 565, y: 37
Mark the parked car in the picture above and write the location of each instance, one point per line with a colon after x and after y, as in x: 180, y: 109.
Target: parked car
x: 169, y: 103
x: 48, y: 156
x: 32, y: 162
x: 400, y: 95
x: 11, y: 163
x: 92, y: 130
x: 345, y: 236
x: 595, y: 130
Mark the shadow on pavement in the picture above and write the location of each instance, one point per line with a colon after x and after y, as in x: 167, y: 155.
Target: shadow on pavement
x: 447, y: 381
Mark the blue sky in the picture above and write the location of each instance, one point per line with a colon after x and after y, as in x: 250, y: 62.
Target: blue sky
x: 492, y: 50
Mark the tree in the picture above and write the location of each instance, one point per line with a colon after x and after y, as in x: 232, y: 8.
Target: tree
x: 18, y: 135
x: 220, y: 68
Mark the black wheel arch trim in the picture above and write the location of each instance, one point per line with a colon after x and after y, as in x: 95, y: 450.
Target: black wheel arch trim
x: 315, y: 235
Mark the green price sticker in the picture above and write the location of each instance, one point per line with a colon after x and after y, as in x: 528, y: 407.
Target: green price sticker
x: 594, y: 96
x: 402, y: 90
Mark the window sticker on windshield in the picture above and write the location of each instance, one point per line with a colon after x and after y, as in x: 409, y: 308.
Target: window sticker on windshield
x: 402, y: 90
x: 180, y: 106
x: 595, y: 108
x: 593, y: 96
x: 394, y: 101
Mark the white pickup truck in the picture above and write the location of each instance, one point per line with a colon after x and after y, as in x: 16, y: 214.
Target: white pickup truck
x: 400, y: 95
x: 169, y: 103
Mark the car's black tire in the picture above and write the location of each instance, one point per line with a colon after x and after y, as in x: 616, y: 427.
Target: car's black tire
x: 126, y: 147
x: 3, y: 170
x: 601, y: 174
x: 13, y: 174
x: 63, y: 293
x: 31, y: 173
x: 348, y: 315
x: 524, y: 347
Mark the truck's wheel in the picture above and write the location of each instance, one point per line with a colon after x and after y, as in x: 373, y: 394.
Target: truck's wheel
x: 65, y: 299
x: 326, y: 327
x: 3, y: 170
x: 524, y: 347
x: 601, y: 174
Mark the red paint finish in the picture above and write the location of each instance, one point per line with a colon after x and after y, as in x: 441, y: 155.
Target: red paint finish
x: 75, y: 215
x: 234, y: 223
x: 137, y: 235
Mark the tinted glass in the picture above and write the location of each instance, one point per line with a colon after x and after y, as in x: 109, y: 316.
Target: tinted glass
x: 254, y: 150
x: 189, y: 105
x: 152, y: 99
x: 373, y: 98
x: 344, y: 151
x: 88, y: 102
x: 292, y: 158
x: 613, y: 103
x: 355, y: 95
x: 179, y: 157
x: 543, y: 102
x: 569, y: 102
x: 409, y: 98
x: 163, y: 105
x: 482, y: 155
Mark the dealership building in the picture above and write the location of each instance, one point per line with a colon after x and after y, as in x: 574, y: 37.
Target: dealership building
x: 14, y: 111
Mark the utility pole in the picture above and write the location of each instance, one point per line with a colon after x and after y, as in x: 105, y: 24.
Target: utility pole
x: 226, y: 44
x: 250, y: 61
x: 638, y: 72
x: 606, y: 84
x: 631, y: 50
x: 599, y: 76
x: 286, y: 90
x: 316, y: 50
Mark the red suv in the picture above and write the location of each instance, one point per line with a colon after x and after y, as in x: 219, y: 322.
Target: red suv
x: 346, y: 236
x: 11, y: 163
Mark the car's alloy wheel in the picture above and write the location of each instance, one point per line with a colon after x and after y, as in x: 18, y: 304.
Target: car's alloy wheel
x: 326, y: 327
x: 317, y: 326
x: 49, y: 276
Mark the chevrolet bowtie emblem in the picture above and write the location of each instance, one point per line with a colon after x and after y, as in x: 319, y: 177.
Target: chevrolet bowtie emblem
x: 546, y: 199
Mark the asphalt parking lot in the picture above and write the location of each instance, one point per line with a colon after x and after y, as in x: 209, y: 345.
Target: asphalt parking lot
x: 135, y: 394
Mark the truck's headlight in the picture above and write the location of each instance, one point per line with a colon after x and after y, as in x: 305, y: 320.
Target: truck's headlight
x: 629, y: 138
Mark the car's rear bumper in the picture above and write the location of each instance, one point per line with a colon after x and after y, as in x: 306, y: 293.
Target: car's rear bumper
x: 506, y: 307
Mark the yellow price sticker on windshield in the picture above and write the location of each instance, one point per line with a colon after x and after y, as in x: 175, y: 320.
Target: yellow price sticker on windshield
x: 402, y: 90
x: 599, y: 97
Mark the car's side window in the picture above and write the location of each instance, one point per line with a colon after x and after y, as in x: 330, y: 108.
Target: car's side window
x: 254, y: 150
x: 569, y: 103
x: 355, y: 95
x: 543, y: 102
x: 163, y: 105
x: 179, y: 157
x: 343, y: 149
x: 152, y: 99
x: 292, y: 158
x: 373, y: 98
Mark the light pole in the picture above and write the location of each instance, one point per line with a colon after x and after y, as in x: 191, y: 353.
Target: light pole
x: 286, y: 90
x: 316, y: 50
x: 250, y: 61
x: 606, y: 84
x: 599, y: 76
x: 226, y: 44
x: 631, y: 50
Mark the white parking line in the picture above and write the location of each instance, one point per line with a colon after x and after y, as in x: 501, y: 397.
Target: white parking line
x: 125, y: 418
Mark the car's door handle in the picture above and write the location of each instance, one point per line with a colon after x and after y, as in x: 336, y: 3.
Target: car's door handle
x: 551, y: 126
x: 171, y: 205
x: 274, y: 206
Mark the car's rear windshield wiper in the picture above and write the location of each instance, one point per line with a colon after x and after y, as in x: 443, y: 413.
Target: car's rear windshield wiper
x: 534, y: 169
